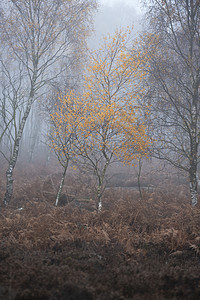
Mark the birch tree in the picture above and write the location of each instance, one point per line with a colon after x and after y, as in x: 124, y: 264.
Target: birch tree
x: 39, y: 34
x: 12, y: 104
x: 65, y: 122
x: 175, y: 83
x: 112, y: 127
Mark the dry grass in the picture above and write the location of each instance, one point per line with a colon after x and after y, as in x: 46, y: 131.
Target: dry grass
x: 133, y: 249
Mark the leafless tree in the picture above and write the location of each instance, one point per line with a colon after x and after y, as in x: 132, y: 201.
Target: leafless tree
x: 174, y: 83
x: 38, y: 35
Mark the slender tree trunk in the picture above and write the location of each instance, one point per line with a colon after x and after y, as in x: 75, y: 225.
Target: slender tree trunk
x: 99, y: 195
x: 193, y: 191
x: 138, y: 177
x: 33, y: 146
x: 13, y: 160
x: 101, y: 187
x: 34, y: 133
x: 193, y: 155
x: 9, y: 185
x: 193, y: 181
x: 61, y: 183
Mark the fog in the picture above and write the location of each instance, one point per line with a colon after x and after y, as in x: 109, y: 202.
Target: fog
x: 115, y: 14
x: 99, y: 149
x: 31, y: 124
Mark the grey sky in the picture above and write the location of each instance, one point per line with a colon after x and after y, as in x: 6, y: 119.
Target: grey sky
x: 130, y: 3
x: 113, y: 14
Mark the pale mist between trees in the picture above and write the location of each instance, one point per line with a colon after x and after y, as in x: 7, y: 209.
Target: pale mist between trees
x: 134, y: 99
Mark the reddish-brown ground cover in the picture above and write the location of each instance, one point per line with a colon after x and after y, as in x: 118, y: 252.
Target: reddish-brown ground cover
x: 133, y: 249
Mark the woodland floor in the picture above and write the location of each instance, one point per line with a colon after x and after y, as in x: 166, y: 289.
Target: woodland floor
x: 134, y: 249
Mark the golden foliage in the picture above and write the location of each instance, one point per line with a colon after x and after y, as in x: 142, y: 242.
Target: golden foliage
x: 107, y: 117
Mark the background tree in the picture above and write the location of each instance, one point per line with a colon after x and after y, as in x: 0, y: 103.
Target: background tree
x: 39, y: 35
x: 11, y: 103
x: 174, y: 82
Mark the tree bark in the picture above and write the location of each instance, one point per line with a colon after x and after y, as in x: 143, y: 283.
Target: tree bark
x: 61, y: 183
x: 193, y: 153
x: 99, y: 195
x: 193, y: 177
x: 13, y: 160
x: 193, y: 191
x: 100, y: 187
x: 138, y: 176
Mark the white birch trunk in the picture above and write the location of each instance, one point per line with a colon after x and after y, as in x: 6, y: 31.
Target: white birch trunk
x: 13, y: 160
x: 193, y: 193
x: 193, y: 156
x: 61, y: 184
x: 99, y: 194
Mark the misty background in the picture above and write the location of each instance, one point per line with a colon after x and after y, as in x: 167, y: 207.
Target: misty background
x: 114, y: 14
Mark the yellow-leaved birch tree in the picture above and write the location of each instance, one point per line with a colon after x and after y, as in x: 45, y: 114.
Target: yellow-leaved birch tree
x: 65, y: 121
x: 112, y: 126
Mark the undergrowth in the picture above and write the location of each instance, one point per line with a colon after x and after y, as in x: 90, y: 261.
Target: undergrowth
x: 134, y: 248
